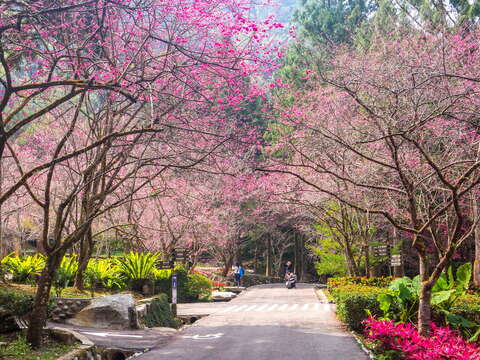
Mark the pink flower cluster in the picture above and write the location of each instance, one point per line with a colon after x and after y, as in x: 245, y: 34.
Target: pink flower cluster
x: 443, y: 343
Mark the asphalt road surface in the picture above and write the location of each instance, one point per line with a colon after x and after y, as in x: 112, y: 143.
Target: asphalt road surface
x: 267, y: 322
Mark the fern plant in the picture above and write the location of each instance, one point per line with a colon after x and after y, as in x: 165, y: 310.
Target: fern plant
x: 137, y: 268
x: 65, y: 275
x: 102, y: 273
x: 24, y: 268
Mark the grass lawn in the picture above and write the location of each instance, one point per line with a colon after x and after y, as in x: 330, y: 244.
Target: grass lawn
x: 14, y: 347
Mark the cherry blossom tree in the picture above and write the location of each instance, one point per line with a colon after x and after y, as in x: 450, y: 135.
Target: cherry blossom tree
x: 395, y: 126
x: 85, y: 114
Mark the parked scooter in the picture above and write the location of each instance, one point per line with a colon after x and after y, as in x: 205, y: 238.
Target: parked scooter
x: 291, y: 280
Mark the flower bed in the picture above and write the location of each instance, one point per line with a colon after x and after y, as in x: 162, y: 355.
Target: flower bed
x: 404, y: 339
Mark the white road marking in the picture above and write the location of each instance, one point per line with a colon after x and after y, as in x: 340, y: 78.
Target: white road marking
x: 250, y: 308
x: 262, y: 307
x: 277, y: 307
x: 293, y: 307
x: 271, y: 307
x: 203, y: 337
x: 230, y: 308
x: 101, y: 334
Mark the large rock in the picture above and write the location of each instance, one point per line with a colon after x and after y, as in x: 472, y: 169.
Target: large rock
x: 109, y: 312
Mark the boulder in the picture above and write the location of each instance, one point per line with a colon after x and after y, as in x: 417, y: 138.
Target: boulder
x: 223, y: 295
x: 109, y: 312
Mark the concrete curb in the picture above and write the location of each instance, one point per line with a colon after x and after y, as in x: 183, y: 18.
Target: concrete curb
x: 362, y: 346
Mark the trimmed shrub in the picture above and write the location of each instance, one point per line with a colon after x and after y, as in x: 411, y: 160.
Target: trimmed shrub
x: 197, y: 286
x: 255, y: 279
x: 355, y: 303
x: 359, y: 280
x: 159, y: 313
x: 468, y: 306
x: 163, y: 282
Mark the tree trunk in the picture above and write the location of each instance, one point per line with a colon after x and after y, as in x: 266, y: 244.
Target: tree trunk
x: 476, y: 262
x: 367, y: 261
x: 424, y: 307
x: 353, y: 269
x: 86, y: 251
x: 398, y: 271
x: 268, y: 265
x: 255, y: 259
x: 38, y: 316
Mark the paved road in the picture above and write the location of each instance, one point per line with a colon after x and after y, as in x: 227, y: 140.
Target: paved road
x: 134, y: 340
x: 267, y: 322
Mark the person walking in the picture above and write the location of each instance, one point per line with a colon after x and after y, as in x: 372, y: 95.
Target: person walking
x: 238, y: 272
x: 288, y: 268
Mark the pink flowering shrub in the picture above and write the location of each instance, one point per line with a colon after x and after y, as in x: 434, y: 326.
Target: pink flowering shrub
x: 443, y: 343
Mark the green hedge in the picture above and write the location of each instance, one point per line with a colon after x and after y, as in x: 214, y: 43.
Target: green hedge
x: 190, y: 286
x: 353, y: 301
x: 359, y: 280
x: 469, y: 307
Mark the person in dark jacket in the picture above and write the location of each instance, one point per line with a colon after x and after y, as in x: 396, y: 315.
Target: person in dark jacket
x: 288, y: 268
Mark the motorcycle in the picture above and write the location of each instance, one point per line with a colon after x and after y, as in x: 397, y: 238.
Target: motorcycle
x: 291, y: 281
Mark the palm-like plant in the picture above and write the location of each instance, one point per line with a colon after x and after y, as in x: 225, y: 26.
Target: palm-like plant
x: 104, y: 273
x: 137, y: 268
x: 24, y: 268
x: 65, y: 274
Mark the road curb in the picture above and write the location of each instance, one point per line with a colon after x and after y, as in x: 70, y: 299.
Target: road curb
x: 370, y: 354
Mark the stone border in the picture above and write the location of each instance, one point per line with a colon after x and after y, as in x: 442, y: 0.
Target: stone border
x: 362, y: 346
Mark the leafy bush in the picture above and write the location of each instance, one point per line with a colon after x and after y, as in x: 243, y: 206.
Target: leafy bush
x: 137, y: 268
x: 197, y: 286
x: 103, y: 273
x: 356, y: 302
x: 359, y: 280
x: 404, y: 338
x: 65, y: 275
x: 24, y: 268
x: 159, y: 313
x: 163, y: 282
x: 400, y: 303
x: 16, y: 303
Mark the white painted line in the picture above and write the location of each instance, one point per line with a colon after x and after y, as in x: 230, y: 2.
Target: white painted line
x: 305, y: 307
x: 326, y: 307
x: 293, y: 307
x: 262, y: 307
x: 241, y: 308
x: 317, y: 307
x: 271, y: 307
x: 250, y: 308
x: 231, y: 308
x: 283, y: 307
x: 110, y: 334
